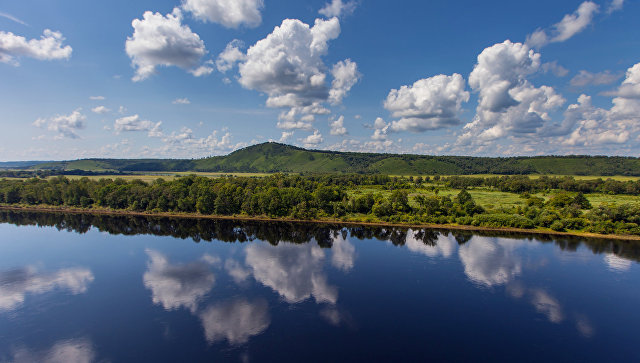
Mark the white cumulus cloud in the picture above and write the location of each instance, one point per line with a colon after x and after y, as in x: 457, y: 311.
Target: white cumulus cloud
x: 428, y: 104
x: 587, y: 126
x: 229, y: 13
x: 338, y: 8
x: 187, y: 144
x: 313, y: 139
x: 230, y: 56
x: 64, y: 125
x: 135, y: 123
x: 286, y: 135
x: 345, y: 76
x: 159, y: 40
x: 508, y: 104
x: 287, y: 65
x: 337, y: 127
x: 48, y: 47
x: 101, y: 110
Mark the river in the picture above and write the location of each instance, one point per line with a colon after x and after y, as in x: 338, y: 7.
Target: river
x: 81, y: 288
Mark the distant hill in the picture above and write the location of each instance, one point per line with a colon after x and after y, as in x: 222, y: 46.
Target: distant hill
x: 274, y: 157
x: 19, y: 164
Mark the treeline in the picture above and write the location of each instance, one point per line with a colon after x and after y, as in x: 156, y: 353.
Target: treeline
x: 321, y: 197
x: 45, y: 173
x: 524, y: 184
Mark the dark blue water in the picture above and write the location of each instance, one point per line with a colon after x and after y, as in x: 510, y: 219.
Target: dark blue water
x: 81, y: 289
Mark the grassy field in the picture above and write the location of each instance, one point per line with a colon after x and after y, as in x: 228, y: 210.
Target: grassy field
x: 493, y: 199
x: 535, y: 176
x: 148, y: 176
x: 151, y: 176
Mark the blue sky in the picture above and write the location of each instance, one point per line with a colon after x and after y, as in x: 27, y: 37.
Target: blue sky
x: 194, y: 78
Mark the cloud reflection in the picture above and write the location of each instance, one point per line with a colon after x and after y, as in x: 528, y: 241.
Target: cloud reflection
x: 238, y: 272
x: 616, y: 263
x: 68, y: 351
x: 342, y: 253
x: 547, y: 305
x: 490, y: 262
x: 432, y: 246
x: 236, y: 320
x: 584, y: 326
x: 293, y: 271
x: 15, y: 284
x: 177, y: 285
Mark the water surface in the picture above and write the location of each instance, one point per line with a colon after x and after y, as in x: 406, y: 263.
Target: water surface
x: 123, y: 289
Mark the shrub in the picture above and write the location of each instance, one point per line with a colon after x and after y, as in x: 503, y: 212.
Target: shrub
x: 557, y: 226
x: 502, y: 220
x: 465, y: 221
x: 575, y: 224
x: 581, y: 201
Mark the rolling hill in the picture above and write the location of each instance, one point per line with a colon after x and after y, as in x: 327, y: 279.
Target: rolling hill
x: 273, y: 157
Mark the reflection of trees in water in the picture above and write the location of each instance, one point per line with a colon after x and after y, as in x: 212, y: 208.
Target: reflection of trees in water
x: 430, y: 243
x: 275, y: 232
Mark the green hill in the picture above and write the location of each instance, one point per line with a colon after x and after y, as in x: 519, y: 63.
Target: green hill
x: 274, y: 157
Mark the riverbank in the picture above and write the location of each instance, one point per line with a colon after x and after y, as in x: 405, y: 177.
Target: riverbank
x: 111, y: 212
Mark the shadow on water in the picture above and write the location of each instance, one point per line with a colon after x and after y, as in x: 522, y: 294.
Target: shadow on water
x: 275, y: 232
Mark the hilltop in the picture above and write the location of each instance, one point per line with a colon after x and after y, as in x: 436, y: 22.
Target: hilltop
x: 271, y: 157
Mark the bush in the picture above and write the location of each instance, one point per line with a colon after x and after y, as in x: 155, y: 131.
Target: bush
x: 557, y: 226
x: 581, y: 201
x: 560, y: 200
x: 546, y: 218
x: 575, y: 224
x: 502, y: 220
x: 465, y: 221
x: 535, y: 202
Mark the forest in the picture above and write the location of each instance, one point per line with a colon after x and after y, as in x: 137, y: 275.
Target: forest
x: 552, y: 203
x: 271, y: 157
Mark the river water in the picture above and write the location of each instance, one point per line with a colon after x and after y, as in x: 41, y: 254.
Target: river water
x: 79, y: 288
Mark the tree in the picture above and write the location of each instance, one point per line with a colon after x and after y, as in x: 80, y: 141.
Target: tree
x: 399, y: 200
x: 463, y: 197
x: 581, y: 201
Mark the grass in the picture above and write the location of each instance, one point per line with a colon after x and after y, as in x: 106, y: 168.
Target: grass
x: 535, y: 176
x: 151, y: 176
x: 493, y: 199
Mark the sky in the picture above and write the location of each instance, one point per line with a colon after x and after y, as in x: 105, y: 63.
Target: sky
x: 195, y: 78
